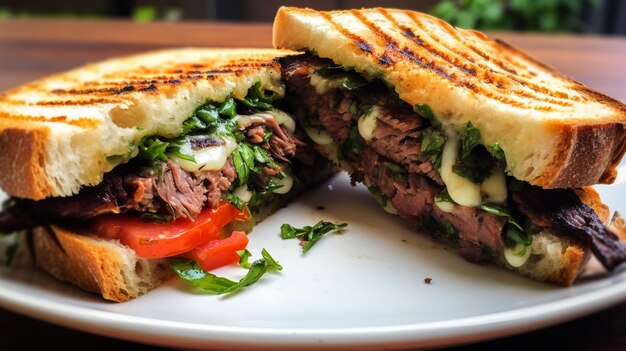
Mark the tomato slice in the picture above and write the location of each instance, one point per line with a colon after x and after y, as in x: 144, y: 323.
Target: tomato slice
x: 218, y: 253
x: 157, y: 240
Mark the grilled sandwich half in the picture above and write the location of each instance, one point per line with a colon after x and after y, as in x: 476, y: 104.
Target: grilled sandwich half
x: 178, y: 136
x: 473, y: 140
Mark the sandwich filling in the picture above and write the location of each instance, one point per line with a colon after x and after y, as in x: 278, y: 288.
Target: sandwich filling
x: 443, y: 180
x: 245, y: 152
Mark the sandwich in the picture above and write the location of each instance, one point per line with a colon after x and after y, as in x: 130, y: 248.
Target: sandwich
x: 116, y: 167
x: 470, y: 139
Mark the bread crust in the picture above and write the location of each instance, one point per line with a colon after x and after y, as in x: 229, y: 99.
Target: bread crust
x: 23, y: 153
x: 463, y: 76
x: 67, y: 130
x: 94, y: 265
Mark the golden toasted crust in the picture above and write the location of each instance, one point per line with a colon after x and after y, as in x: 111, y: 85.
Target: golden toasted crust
x: 554, y: 131
x: 101, y: 266
x: 65, y: 131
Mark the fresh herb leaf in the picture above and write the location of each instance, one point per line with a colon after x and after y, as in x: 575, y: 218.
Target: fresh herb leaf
x: 443, y: 196
x: 310, y: 235
x: 234, y: 200
x: 257, y: 99
x: 498, y: 154
x: 513, y: 235
x: 501, y: 212
x: 452, y: 234
x: 244, y: 256
x: 378, y: 194
x: 191, y: 273
x: 488, y: 251
x: 424, y: 110
x: 243, y: 160
x: 469, y: 140
x: 349, y: 80
x: 151, y: 149
x: 432, y: 146
x: 354, y: 107
x: 353, y: 144
x: 208, y: 114
x: 394, y: 167
x: 228, y: 107
x: 476, y: 167
x: 193, y: 124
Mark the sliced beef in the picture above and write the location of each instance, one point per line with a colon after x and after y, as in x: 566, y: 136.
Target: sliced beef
x: 562, y: 210
x: 476, y: 229
x: 396, y: 139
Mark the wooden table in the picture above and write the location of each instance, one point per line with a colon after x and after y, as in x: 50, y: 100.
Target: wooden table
x: 32, y: 48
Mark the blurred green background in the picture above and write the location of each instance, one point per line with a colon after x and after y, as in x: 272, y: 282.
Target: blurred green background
x: 577, y: 16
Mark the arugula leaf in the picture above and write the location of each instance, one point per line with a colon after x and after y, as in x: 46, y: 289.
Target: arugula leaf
x: 443, y: 196
x: 432, y: 146
x: 234, y: 200
x: 378, y: 194
x: 243, y: 160
x: 191, y: 273
x: 501, y: 212
x: 353, y: 144
x: 498, y: 154
x: 244, y: 256
x: 310, y: 234
x: 394, y: 167
x: 175, y: 146
x: 513, y: 235
x: 208, y: 114
x: 452, y: 234
x: 193, y: 124
x: 469, y: 140
x: 424, y: 110
x: 349, y: 80
x: 228, y: 107
x: 476, y: 167
x: 151, y: 149
x: 257, y: 99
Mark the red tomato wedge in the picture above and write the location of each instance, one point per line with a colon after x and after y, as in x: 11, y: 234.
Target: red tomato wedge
x: 157, y: 240
x: 218, y: 253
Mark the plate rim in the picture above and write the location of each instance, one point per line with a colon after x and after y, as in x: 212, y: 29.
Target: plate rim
x: 464, y: 330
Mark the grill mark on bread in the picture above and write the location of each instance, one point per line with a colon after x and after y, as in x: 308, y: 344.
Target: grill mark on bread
x: 62, y: 102
x: 407, y: 52
x: 498, y: 79
x: 411, y: 55
x: 83, y: 122
x: 409, y: 34
x: 357, y: 40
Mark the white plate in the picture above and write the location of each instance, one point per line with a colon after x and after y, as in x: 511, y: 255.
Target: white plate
x: 362, y: 289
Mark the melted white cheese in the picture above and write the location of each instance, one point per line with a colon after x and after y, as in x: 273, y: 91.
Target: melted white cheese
x: 210, y: 158
x: 389, y: 208
x: 286, y: 183
x: 517, y: 255
x: 494, y: 187
x: 243, y: 193
x: 322, y: 85
x: 462, y: 190
x: 368, y: 123
x: 318, y: 135
x: 445, y: 206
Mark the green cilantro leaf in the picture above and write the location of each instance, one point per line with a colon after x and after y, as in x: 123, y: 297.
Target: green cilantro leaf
x: 310, y: 235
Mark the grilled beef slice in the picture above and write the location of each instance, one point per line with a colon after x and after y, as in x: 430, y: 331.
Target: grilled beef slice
x: 410, y: 188
x: 391, y: 165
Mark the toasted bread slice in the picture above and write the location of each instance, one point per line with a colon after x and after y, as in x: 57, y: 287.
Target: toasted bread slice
x: 65, y: 131
x: 555, y: 132
x: 97, y: 265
